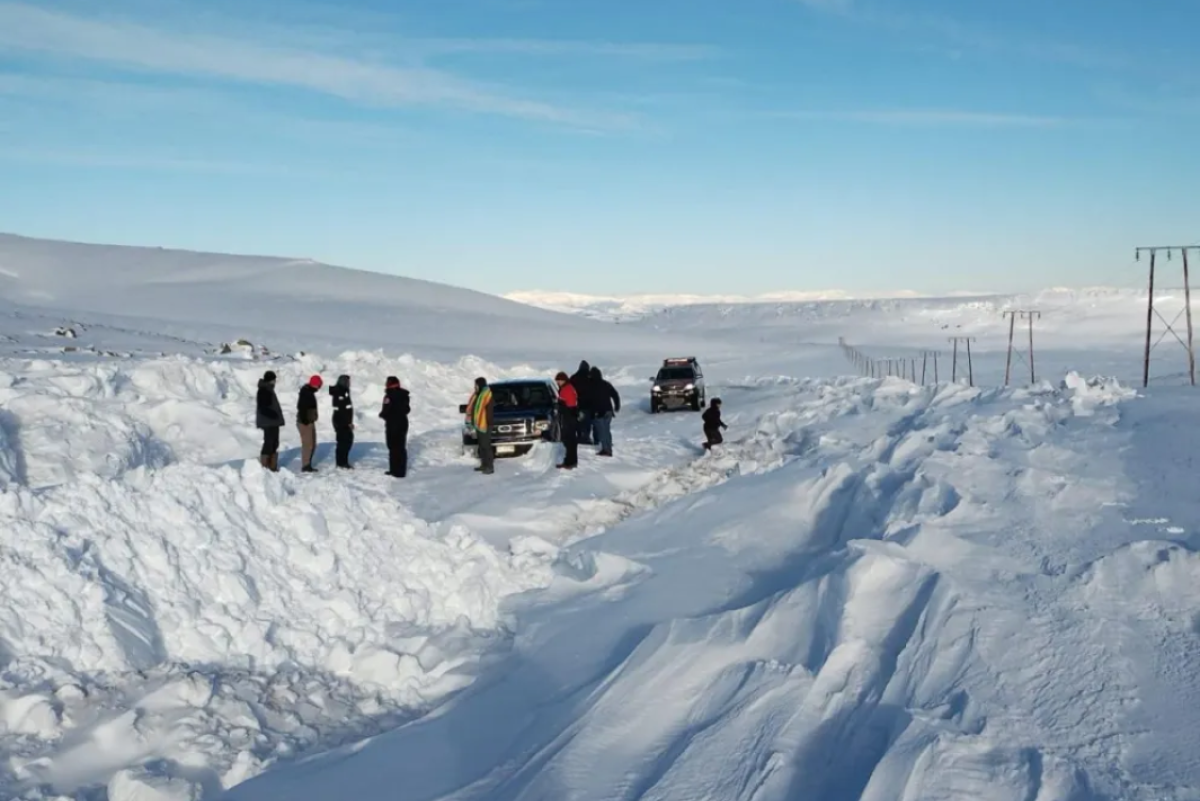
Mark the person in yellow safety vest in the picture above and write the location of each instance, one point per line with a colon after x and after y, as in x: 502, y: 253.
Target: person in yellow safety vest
x: 479, y: 412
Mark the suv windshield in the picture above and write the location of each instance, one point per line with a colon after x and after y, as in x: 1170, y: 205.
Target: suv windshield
x: 511, y: 397
x: 676, y: 374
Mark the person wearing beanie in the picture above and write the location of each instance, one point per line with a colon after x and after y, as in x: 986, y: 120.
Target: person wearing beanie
x: 343, y: 420
x: 568, y: 421
x: 606, y: 403
x: 306, y: 421
x: 269, y: 418
x: 396, y: 407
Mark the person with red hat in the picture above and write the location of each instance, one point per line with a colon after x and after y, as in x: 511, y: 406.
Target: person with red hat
x: 568, y: 420
x: 306, y: 421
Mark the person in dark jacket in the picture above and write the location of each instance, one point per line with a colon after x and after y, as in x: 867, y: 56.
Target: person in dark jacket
x: 269, y: 417
x: 343, y: 420
x: 306, y: 421
x: 582, y: 382
x: 713, y: 424
x: 396, y: 407
x: 568, y: 416
x: 606, y: 402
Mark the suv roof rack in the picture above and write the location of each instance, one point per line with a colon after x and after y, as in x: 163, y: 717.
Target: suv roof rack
x: 680, y: 360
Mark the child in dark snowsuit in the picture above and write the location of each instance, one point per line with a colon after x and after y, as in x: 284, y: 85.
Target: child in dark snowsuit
x: 713, y: 424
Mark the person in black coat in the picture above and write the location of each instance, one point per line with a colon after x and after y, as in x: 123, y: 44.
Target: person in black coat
x: 582, y: 382
x: 269, y: 417
x: 713, y: 424
x: 396, y: 407
x: 606, y: 402
x: 343, y: 420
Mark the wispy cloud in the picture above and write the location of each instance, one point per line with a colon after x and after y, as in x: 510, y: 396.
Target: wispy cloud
x: 142, y: 161
x: 192, y: 106
x: 132, y: 45
x: 644, y: 51
x: 827, y: 5
x: 960, y: 36
x: 929, y: 117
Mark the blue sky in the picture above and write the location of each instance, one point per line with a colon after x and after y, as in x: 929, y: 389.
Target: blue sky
x: 615, y: 146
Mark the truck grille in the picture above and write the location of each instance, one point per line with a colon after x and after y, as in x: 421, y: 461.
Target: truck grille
x: 513, y: 428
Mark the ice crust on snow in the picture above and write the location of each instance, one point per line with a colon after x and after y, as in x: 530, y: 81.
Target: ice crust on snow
x: 874, y: 590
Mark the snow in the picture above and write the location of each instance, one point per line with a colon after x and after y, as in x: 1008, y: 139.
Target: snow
x: 876, y: 589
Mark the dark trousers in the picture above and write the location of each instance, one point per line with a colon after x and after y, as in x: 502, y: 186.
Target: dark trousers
x: 487, y: 456
x: 270, y: 441
x: 586, y: 423
x: 345, y: 441
x: 397, y: 444
x: 714, y: 437
x: 570, y: 441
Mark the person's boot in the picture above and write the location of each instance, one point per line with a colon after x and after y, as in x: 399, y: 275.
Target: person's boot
x: 263, y: 461
x: 274, y: 462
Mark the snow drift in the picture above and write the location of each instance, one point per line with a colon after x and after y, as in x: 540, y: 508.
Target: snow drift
x: 871, y: 598
x: 172, y: 613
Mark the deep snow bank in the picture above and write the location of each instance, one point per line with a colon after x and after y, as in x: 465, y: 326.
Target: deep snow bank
x: 875, y: 596
x: 66, y: 420
x: 265, y: 613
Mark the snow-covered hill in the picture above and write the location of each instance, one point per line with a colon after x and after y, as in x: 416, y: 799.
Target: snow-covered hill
x: 874, y: 590
x: 288, y: 304
x: 624, y: 307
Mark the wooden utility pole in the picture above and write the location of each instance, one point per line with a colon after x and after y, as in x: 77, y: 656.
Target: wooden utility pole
x: 1152, y: 310
x: 954, y: 360
x: 1030, y: 315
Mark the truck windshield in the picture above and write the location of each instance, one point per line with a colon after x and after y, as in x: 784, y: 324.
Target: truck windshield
x: 512, y: 397
x: 676, y: 373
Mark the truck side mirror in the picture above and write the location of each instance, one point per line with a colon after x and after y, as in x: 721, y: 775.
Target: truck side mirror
x: 462, y: 408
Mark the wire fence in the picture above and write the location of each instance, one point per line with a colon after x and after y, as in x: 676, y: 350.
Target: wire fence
x: 924, y: 367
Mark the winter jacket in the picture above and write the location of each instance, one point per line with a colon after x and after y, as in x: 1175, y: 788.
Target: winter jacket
x: 306, y: 406
x: 568, y: 406
x: 343, y: 404
x: 605, y: 398
x: 582, y: 381
x: 396, y: 407
x: 269, y: 414
x: 712, y: 419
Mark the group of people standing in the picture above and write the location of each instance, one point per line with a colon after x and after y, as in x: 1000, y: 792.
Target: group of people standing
x: 270, y: 418
x: 587, y: 405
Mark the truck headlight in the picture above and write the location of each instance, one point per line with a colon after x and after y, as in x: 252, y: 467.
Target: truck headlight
x: 689, y: 387
x: 657, y: 388
x: 541, y: 425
